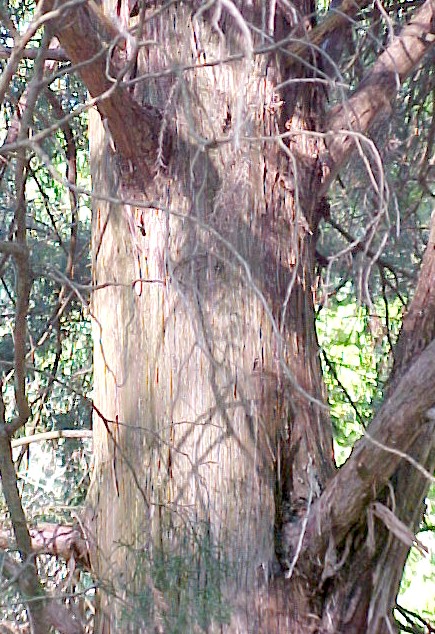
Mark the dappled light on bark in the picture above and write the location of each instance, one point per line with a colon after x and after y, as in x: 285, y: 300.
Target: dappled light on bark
x: 215, y: 502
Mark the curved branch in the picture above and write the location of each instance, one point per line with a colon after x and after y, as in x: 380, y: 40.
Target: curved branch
x: 378, y: 89
x: 399, y: 422
x: 90, y: 38
x: 404, y: 417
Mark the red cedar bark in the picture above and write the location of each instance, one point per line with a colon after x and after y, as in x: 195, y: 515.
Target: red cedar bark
x: 205, y: 447
x: 215, y: 418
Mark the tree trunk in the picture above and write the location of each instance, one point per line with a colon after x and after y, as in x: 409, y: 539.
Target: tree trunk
x: 213, y: 444
x: 208, y: 371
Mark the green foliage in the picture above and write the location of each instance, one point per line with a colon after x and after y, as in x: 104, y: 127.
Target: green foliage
x: 418, y: 581
x: 53, y: 476
x: 356, y: 358
x: 182, y: 588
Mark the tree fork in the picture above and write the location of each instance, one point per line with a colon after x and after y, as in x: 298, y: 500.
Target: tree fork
x: 327, y: 578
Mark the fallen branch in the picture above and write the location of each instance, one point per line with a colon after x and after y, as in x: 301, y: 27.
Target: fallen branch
x: 66, y: 541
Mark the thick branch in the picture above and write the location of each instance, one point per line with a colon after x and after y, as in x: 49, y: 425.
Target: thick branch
x: 92, y: 41
x: 377, y: 90
x: 20, y: 252
x: 29, y: 581
x: 418, y: 328
x: 397, y: 425
x: 401, y: 421
x: 12, y: 248
x: 12, y: 496
x: 410, y: 486
x: 332, y: 23
x: 20, y: 333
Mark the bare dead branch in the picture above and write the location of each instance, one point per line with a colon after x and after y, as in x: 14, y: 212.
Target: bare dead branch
x: 51, y: 435
x: 55, y: 55
x: 397, y: 527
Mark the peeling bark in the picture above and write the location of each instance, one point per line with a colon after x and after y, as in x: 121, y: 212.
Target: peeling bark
x: 212, y: 439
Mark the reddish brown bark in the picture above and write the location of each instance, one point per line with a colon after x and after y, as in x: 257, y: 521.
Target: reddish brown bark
x: 52, y: 539
x: 208, y: 383
x: 94, y: 43
x: 373, y: 96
